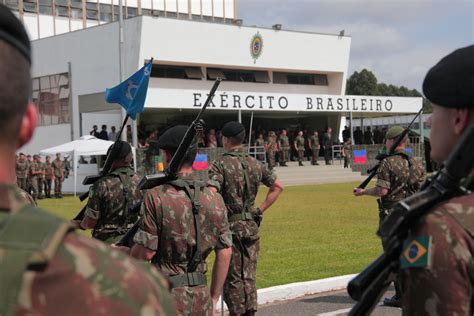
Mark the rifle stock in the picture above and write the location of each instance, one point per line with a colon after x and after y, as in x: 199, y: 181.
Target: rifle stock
x: 368, y: 286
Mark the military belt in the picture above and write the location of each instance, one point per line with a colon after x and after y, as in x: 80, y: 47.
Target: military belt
x: 246, y: 216
x: 187, y: 279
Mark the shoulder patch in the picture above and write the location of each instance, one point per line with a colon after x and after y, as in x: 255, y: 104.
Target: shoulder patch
x: 416, y: 253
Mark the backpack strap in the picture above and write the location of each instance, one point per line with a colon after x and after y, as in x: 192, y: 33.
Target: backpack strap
x: 125, y: 178
x: 246, y: 209
x: 25, y: 249
x: 198, y: 186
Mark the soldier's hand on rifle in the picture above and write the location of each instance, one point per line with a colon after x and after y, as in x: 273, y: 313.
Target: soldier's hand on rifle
x: 123, y: 249
x: 358, y: 191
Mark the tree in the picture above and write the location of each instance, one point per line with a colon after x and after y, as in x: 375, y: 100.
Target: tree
x: 362, y: 83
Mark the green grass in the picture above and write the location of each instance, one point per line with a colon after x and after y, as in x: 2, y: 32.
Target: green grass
x: 311, y: 232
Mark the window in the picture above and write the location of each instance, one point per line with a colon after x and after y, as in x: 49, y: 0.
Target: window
x: 238, y: 75
x: 176, y: 72
x: 51, y: 96
x: 303, y: 79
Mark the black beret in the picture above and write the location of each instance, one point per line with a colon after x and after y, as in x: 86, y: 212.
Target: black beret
x: 122, y: 149
x: 232, y: 129
x: 450, y: 83
x: 13, y: 32
x: 171, y: 139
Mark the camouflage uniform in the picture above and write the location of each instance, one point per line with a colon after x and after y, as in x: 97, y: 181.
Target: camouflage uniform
x: 314, y: 141
x: 110, y: 200
x: 58, y: 176
x: 34, y: 179
x: 271, y: 150
x: 48, y: 177
x: 240, y: 292
x: 401, y: 176
x: 260, y: 142
x: 445, y: 286
x: 285, y: 149
x: 22, y: 174
x: 299, y: 141
x: 68, y: 274
x: 41, y: 182
x: 346, y: 148
x: 67, y: 168
x: 168, y: 227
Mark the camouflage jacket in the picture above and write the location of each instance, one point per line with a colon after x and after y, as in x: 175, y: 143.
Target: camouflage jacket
x: 401, y: 179
x: 35, y: 166
x: 82, y: 276
x: 314, y: 140
x: 48, y: 168
x: 437, y: 263
x: 271, y: 143
x: 21, y: 169
x: 110, y: 200
x: 58, y: 168
x: 299, y: 142
x: 227, y: 171
x: 284, y: 142
x: 167, y: 226
x: 259, y: 142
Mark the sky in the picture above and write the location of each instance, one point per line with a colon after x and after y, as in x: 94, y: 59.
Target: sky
x: 397, y: 40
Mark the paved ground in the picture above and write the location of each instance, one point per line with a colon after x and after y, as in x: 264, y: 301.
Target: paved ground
x: 308, y: 174
x: 325, y: 304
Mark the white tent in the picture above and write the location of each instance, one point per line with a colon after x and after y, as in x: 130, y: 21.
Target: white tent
x: 85, y: 146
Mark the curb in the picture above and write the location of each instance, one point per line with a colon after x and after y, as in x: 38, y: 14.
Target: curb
x: 298, y: 289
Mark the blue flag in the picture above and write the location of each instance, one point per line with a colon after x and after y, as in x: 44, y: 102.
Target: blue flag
x: 131, y: 93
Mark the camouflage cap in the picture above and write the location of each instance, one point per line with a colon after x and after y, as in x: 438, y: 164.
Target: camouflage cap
x: 13, y: 32
x: 394, y: 132
x: 232, y: 128
x: 450, y: 83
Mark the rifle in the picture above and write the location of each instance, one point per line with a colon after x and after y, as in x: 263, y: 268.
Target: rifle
x: 373, y: 171
x: 171, y: 171
x: 372, y: 282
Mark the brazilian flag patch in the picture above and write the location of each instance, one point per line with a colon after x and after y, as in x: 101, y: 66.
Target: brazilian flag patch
x: 416, y: 253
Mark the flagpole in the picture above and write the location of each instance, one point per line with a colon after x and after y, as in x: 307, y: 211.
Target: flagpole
x: 121, y: 41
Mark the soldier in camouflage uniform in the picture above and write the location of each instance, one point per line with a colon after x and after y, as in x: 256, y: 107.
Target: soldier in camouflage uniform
x: 45, y: 268
x: 111, y: 198
x: 313, y: 143
x: 183, y: 221
x: 284, y: 145
x: 48, y: 176
x: 29, y: 161
x: 58, y: 171
x: 444, y: 285
x: 299, y: 147
x: 260, y: 142
x: 22, y: 172
x: 36, y: 172
x: 239, y: 177
x: 398, y: 177
x: 271, y: 148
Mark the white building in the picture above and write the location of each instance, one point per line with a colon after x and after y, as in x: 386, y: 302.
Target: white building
x: 287, y: 79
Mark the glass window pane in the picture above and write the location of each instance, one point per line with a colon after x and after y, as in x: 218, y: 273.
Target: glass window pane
x: 35, y: 84
x: 44, y: 83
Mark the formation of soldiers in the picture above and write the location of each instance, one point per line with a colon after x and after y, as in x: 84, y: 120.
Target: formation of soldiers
x: 46, y: 268
x: 37, y: 177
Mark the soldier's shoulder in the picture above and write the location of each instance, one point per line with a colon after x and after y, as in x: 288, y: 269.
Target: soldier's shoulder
x: 90, y: 270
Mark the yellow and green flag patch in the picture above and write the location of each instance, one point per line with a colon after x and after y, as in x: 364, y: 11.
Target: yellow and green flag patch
x: 416, y: 253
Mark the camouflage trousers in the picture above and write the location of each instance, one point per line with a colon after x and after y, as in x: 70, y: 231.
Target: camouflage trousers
x: 271, y: 159
x: 34, y: 187
x: 47, y: 187
x: 240, y: 289
x: 22, y: 183
x: 194, y: 300
x: 285, y: 154
x: 300, y: 155
x: 58, y: 184
x: 314, y: 157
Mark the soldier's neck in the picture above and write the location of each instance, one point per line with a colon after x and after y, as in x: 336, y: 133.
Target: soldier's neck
x: 7, y: 161
x: 185, y: 171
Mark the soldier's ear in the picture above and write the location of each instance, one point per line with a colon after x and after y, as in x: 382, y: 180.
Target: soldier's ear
x: 28, y: 124
x: 462, y: 120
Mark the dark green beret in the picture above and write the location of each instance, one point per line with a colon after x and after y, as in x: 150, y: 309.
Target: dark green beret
x: 121, y: 149
x: 232, y: 129
x: 13, y: 32
x: 171, y: 139
x: 394, y: 132
x: 450, y: 83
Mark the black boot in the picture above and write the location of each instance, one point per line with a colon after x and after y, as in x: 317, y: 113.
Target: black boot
x: 394, y: 301
x: 300, y: 164
x: 249, y: 313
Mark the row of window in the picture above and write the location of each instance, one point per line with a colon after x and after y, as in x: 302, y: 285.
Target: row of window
x: 93, y: 10
x: 179, y: 72
x: 51, y: 95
